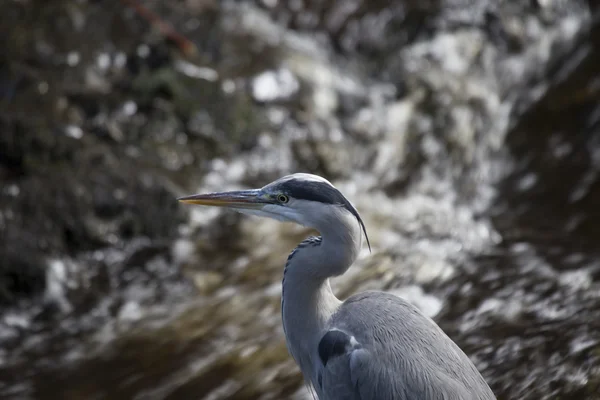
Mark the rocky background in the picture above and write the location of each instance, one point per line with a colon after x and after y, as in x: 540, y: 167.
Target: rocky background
x: 467, y: 133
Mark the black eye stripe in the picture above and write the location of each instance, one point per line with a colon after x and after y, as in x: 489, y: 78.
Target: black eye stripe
x: 321, y: 192
x: 313, y: 191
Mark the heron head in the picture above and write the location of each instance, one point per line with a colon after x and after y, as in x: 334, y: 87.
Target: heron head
x: 306, y: 199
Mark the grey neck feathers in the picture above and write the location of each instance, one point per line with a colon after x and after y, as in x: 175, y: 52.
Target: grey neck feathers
x: 331, y: 254
x: 307, y: 299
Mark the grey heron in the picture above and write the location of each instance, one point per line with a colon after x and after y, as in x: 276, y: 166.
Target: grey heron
x: 374, y: 345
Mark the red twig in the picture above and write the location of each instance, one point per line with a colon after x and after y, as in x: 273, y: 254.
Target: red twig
x: 184, y: 44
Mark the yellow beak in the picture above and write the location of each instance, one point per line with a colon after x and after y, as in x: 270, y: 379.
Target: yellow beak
x: 252, y: 199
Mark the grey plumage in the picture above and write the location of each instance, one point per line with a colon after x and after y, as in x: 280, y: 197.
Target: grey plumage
x: 309, y: 241
x: 373, y: 346
x: 399, y: 354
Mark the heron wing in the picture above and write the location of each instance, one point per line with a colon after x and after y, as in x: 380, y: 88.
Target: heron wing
x: 380, y: 347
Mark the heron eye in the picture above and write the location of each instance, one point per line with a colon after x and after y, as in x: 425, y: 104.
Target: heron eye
x: 282, y: 198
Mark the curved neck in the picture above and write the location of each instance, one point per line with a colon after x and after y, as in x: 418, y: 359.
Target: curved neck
x: 307, y: 299
x: 340, y: 245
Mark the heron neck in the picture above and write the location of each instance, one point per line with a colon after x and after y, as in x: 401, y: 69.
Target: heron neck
x: 307, y: 303
x: 307, y: 299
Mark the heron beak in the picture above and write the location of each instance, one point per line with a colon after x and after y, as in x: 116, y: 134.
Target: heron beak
x: 241, y: 199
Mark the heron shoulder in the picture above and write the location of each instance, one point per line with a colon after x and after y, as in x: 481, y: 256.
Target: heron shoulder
x: 396, y: 335
x: 379, y: 304
x: 383, y: 321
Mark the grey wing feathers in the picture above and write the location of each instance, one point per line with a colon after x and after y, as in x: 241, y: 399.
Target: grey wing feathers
x: 397, y: 353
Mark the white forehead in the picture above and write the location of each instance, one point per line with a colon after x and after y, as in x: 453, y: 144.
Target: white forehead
x: 302, y: 177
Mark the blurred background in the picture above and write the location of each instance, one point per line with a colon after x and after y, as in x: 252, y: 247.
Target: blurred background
x: 466, y: 132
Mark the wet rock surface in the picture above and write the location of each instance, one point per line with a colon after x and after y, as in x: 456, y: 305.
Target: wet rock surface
x: 466, y: 133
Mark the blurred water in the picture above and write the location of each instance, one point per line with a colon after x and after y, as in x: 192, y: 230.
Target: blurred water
x: 467, y: 137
